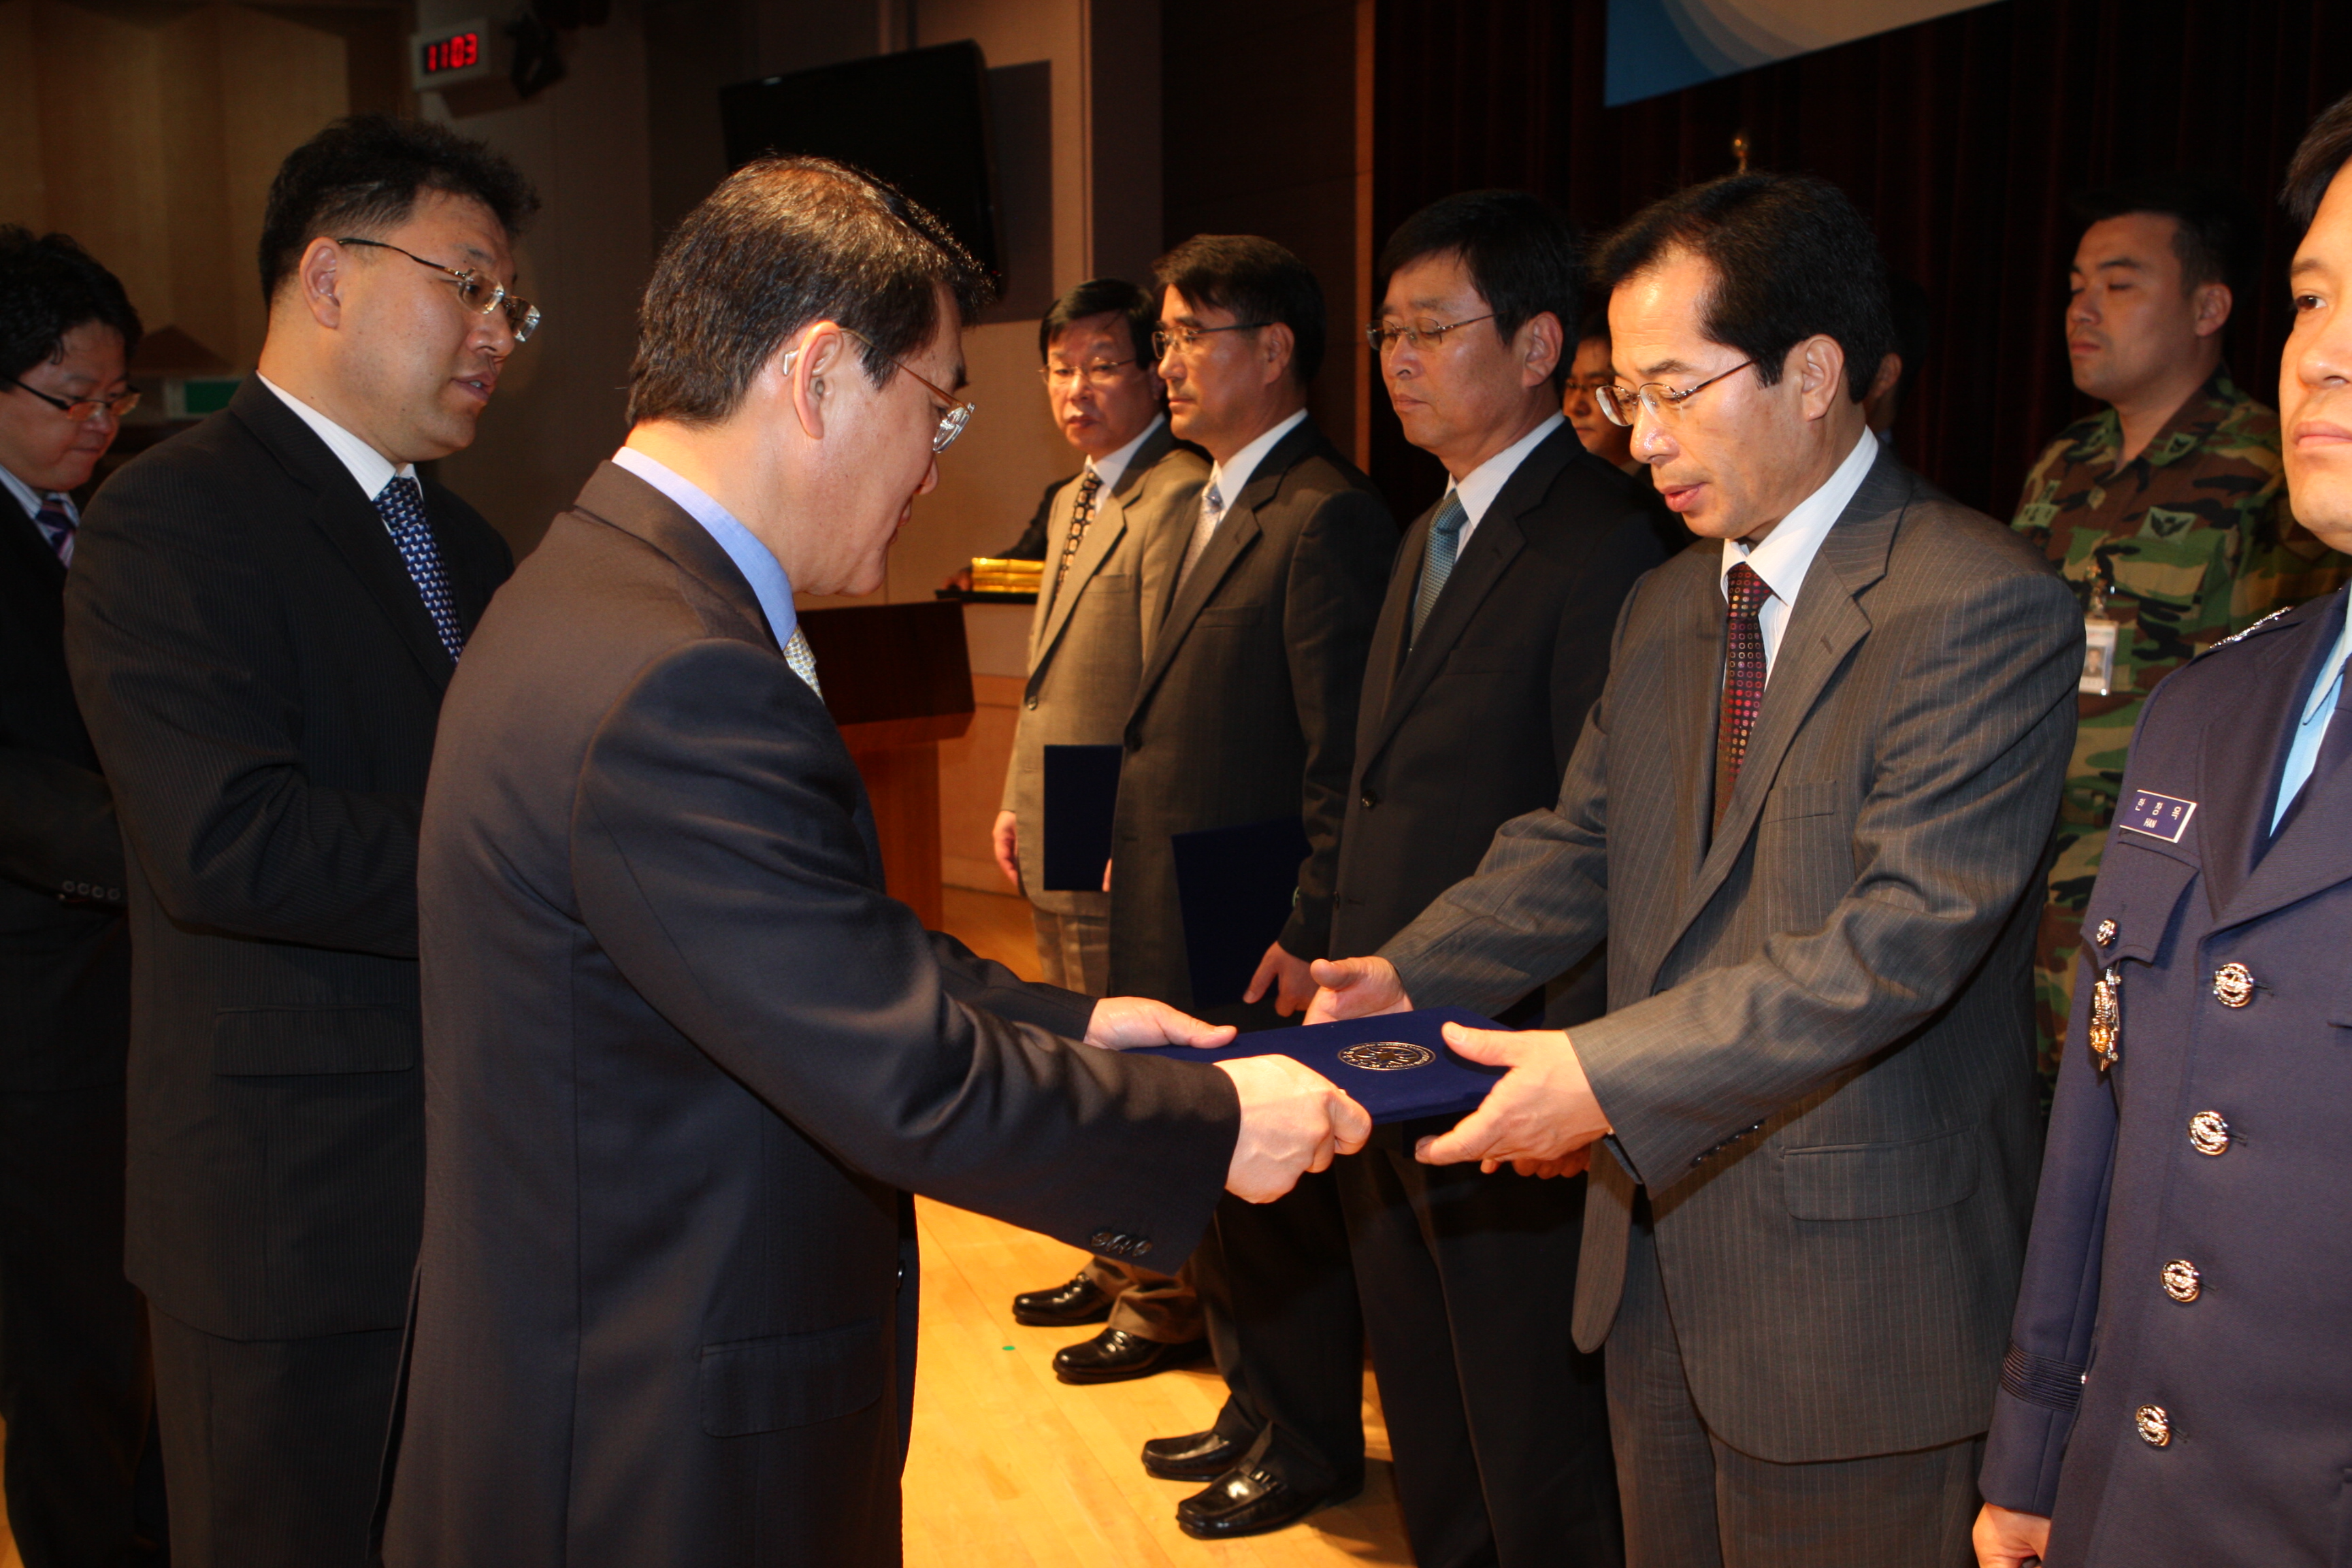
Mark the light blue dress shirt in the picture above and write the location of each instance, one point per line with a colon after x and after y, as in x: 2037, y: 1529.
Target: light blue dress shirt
x: 754, y: 560
x: 2313, y: 730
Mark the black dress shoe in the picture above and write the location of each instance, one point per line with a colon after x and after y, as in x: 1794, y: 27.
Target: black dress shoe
x: 1064, y: 1306
x: 1196, y: 1456
x: 1249, y: 1500
x: 1115, y: 1355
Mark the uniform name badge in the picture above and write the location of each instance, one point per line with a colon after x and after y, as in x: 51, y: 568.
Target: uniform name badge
x: 2099, y: 636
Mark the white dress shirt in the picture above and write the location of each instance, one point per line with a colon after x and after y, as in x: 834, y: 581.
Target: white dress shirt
x: 370, y: 469
x: 1477, y: 488
x: 1110, y: 470
x: 2312, y: 728
x: 1227, y: 479
x: 1788, y: 551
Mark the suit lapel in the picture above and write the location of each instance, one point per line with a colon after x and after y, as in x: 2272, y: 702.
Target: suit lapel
x: 614, y: 495
x: 350, y: 521
x: 1235, y: 534
x: 1495, y: 544
x: 1823, y: 628
x: 2314, y: 851
x: 1379, y: 711
x: 29, y: 544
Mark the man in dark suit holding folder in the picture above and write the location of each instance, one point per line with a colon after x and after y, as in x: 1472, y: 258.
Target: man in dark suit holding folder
x: 1492, y: 644
x: 687, y: 1057
x: 1246, y: 716
x: 1808, y: 813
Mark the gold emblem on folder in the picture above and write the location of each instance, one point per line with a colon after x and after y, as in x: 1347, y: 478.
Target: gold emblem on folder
x: 1388, y: 1056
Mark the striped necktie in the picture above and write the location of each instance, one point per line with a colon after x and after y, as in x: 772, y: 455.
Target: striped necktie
x: 1437, y: 559
x: 57, y: 522
x: 802, y: 659
x: 402, y: 505
x: 1743, y: 680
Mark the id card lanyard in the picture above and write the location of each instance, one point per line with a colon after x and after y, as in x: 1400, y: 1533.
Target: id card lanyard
x: 2101, y: 634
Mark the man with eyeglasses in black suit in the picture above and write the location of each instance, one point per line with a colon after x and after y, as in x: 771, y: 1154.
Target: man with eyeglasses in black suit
x: 261, y: 620
x: 83, y: 1482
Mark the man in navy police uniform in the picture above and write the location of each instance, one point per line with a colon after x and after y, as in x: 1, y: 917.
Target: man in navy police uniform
x: 2176, y: 1387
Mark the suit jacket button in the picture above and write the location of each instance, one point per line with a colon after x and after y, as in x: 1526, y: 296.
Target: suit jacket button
x: 1102, y: 1241
x: 1032, y: 702
x: 2182, y: 1281
x: 1371, y: 800
x: 1141, y: 1246
x: 2209, y: 1132
x: 2155, y: 1425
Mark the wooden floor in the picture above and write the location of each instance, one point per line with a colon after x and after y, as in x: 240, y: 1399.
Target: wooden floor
x: 1013, y: 1469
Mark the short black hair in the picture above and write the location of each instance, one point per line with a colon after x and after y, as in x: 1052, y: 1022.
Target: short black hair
x: 2312, y: 169
x: 1102, y: 297
x: 782, y: 243
x: 1257, y: 281
x: 50, y: 285
x: 1594, y: 324
x: 1521, y: 253
x: 2213, y: 224
x: 362, y: 176
x: 1791, y: 259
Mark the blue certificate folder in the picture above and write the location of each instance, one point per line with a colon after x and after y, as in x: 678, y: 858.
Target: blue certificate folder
x: 1233, y: 888
x: 1443, y: 1085
x: 1081, y: 795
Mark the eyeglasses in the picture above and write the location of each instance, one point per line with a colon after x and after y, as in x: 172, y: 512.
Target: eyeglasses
x: 1102, y: 373
x: 479, y: 294
x: 80, y: 409
x: 1663, y: 402
x: 1421, y: 334
x: 1184, y: 340
x: 951, y: 423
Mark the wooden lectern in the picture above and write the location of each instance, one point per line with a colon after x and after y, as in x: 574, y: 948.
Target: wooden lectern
x: 898, y: 680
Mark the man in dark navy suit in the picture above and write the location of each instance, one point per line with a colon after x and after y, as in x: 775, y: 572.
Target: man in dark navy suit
x: 2194, y: 1224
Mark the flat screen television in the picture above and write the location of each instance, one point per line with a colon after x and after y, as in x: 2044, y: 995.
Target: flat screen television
x: 918, y: 118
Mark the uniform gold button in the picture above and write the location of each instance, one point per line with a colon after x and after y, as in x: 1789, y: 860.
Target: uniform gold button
x: 2209, y: 1132
x: 2182, y: 1281
x: 2155, y: 1425
x: 2106, y: 934
x: 2233, y: 984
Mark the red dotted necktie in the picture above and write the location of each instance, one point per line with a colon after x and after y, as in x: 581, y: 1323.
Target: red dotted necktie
x: 1743, y: 680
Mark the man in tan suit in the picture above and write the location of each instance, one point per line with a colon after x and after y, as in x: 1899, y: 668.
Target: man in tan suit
x: 1114, y: 532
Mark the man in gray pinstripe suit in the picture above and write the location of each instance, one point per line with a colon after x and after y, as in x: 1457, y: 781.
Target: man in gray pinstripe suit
x: 1807, y: 814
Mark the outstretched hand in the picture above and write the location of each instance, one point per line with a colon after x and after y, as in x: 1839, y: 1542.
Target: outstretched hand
x: 1288, y: 974
x: 1123, y: 1023
x: 1355, y: 988
x: 1541, y: 1118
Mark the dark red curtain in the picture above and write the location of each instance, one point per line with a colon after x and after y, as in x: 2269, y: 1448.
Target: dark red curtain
x: 1961, y: 137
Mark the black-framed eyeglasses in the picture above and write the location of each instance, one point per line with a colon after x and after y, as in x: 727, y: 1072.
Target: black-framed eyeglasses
x: 1102, y: 373
x: 81, y: 409
x: 959, y: 412
x: 1184, y: 340
x: 479, y: 294
x: 1419, y: 335
x: 1663, y: 402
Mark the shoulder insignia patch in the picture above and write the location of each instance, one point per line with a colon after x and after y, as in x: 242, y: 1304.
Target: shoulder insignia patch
x: 2241, y: 637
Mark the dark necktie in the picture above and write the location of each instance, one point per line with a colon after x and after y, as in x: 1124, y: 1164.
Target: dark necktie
x: 1437, y: 559
x: 1081, y: 515
x: 1743, y: 680
x: 402, y: 504
x: 2334, y: 747
x: 57, y: 526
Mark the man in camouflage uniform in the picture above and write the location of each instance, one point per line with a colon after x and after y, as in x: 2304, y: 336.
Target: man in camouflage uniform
x: 2165, y: 508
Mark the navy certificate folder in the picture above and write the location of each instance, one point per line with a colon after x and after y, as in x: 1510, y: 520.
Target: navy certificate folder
x: 1233, y: 890
x: 1080, y: 798
x: 1398, y: 1068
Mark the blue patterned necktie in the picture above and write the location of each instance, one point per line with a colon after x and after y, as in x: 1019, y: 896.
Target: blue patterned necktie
x: 402, y: 503
x: 1204, y: 527
x: 802, y: 659
x: 1437, y: 561
x: 56, y: 520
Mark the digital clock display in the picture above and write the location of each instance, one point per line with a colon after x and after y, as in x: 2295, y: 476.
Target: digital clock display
x: 453, y: 53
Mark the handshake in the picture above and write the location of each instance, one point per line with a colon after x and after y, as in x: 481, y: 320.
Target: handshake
x: 1294, y: 1120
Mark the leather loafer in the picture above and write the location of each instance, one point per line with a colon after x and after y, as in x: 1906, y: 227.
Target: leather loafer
x: 1115, y: 1355
x: 1063, y: 1307
x: 1247, y: 1500
x: 1196, y: 1456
